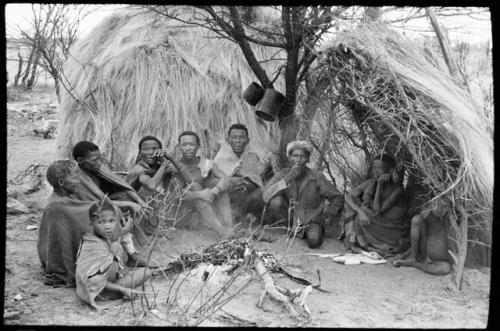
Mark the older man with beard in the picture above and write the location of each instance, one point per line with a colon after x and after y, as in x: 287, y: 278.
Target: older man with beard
x: 303, y: 191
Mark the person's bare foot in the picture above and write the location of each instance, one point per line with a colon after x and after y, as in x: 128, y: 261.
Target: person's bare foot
x: 403, y: 255
x: 404, y: 263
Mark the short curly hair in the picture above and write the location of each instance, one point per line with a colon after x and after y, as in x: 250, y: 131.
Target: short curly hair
x: 148, y: 138
x: 82, y: 148
x: 59, y: 169
x: 98, y: 207
x: 237, y: 126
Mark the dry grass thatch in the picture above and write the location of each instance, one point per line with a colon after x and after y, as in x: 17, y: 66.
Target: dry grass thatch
x: 140, y: 74
x: 406, y: 98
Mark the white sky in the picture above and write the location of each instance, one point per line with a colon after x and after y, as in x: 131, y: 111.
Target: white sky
x: 459, y: 29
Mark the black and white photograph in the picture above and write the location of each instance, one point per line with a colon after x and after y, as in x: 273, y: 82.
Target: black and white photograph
x: 307, y: 166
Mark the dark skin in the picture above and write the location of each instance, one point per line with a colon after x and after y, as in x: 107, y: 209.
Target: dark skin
x: 91, y: 162
x: 387, y: 193
x: 105, y: 227
x: 151, y: 153
x: 189, y: 145
x: 429, y: 244
x: 66, y: 185
x: 299, y: 158
x: 238, y: 140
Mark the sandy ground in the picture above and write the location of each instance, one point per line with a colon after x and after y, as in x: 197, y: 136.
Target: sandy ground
x: 360, y: 296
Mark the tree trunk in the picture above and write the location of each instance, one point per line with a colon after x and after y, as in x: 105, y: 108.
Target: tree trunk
x: 19, y: 69
x: 31, y: 81
x: 443, y: 43
x: 57, y: 86
x: 289, y: 128
x: 461, y: 231
x: 28, y: 67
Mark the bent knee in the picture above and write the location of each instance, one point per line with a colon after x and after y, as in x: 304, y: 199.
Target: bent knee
x: 417, y: 220
x: 314, y: 235
x: 277, y: 203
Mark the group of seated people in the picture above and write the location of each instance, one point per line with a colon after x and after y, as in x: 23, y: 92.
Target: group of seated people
x: 94, y: 217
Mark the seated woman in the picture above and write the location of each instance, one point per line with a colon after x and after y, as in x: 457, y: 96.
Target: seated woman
x: 100, y: 260
x: 376, y: 219
x: 64, y: 221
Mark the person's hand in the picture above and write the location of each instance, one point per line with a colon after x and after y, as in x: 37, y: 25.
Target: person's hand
x: 240, y: 184
x: 134, y: 207
x: 138, y: 208
x: 207, y: 195
x: 363, y: 218
x: 369, y: 212
x: 127, y: 222
x: 294, y: 172
x: 384, y: 178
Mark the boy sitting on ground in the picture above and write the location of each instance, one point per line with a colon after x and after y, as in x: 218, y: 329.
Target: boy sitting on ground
x: 429, y: 249
x: 101, y: 258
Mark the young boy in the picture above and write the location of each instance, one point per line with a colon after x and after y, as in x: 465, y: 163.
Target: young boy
x: 101, y: 258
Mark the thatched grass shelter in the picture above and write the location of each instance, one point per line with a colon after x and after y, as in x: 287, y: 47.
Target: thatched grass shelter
x: 140, y: 74
x: 399, y: 99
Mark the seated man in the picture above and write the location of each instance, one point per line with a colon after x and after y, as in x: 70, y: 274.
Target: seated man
x: 304, y: 190
x: 64, y: 221
x: 376, y: 218
x: 212, y: 204
x: 98, y: 181
x: 242, y: 167
x: 100, y: 260
x: 151, y: 177
x: 429, y: 242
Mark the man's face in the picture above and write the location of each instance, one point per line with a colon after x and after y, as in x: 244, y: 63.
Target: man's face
x: 379, y: 168
x: 147, y: 150
x: 71, y: 180
x: 238, y: 140
x: 299, y: 157
x: 189, y: 146
x: 105, y: 225
x: 91, y: 162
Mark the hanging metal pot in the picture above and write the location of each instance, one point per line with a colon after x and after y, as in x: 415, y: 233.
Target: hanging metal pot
x: 253, y: 93
x: 270, y: 105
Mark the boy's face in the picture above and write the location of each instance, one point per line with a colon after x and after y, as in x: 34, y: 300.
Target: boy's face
x: 379, y: 168
x: 148, y: 148
x: 105, y: 226
x: 238, y: 140
x: 91, y: 161
x: 189, y: 146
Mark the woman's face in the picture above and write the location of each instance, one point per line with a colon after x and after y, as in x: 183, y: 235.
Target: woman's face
x: 379, y: 168
x: 147, y: 150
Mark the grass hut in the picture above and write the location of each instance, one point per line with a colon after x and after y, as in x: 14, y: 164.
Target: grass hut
x: 401, y: 100
x: 139, y: 73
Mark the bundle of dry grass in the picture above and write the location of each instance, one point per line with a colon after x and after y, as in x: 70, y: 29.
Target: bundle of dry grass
x: 414, y: 109
x: 139, y: 73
